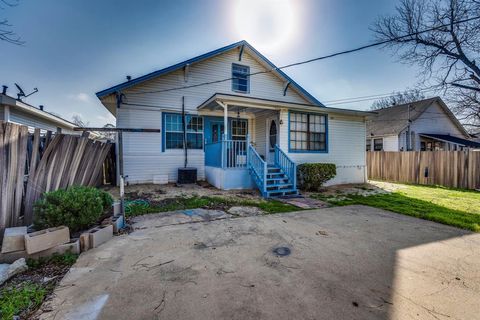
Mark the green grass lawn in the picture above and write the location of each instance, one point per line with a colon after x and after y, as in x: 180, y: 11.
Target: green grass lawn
x: 141, y: 207
x: 455, y: 207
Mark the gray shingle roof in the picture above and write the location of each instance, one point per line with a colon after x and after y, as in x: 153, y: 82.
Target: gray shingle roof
x: 393, y: 120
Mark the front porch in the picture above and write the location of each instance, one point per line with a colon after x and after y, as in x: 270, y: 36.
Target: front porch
x: 242, y: 148
x: 231, y: 164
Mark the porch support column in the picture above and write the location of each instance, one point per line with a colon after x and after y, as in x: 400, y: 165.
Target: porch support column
x: 225, y: 119
x: 225, y: 133
x: 283, y: 134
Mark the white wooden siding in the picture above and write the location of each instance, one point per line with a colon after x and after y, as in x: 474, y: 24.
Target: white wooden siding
x: 390, y: 143
x: 143, y: 156
x: 261, y: 131
x: 433, y: 120
x: 267, y: 86
x: 22, y: 117
x: 346, y: 148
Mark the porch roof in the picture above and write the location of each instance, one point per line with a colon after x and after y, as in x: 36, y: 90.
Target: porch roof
x: 215, y: 103
x: 451, y: 139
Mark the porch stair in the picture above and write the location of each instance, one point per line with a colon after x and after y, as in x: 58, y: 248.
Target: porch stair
x: 273, y: 180
x: 278, y: 183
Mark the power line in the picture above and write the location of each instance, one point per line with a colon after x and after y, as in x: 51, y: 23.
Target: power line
x: 400, y: 119
x: 375, y: 44
x: 373, y: 97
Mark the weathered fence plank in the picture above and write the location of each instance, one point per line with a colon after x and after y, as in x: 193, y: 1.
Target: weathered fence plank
x: 50, y: 162
x: 456, y: 169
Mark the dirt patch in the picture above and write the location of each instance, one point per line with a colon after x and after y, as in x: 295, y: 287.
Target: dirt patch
x: 45, y: 274
x: 341, y: 192
x: 154, y: 192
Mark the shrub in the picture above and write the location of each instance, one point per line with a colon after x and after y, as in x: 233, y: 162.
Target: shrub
x: 311, y: 176
x: 78, y: 208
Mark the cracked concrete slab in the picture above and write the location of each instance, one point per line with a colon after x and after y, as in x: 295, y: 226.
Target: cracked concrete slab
x: 162, y: 219
x: 350, y: 262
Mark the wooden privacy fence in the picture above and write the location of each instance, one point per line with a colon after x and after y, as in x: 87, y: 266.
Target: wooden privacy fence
x: 33, y: 164
x: 456, y: 169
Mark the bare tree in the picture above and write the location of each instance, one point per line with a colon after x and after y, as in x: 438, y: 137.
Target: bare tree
x: 100, y: 135
x: 6, y: 33
x: 398, y: 98
x: 108, y: 135
x: 76, y: 119
x: 447, y: 54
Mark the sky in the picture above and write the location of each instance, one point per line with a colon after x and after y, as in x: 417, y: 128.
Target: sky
x: 75, y: 48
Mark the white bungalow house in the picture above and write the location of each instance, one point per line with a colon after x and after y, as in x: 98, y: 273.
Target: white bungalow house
x: 248, y: 124
x: 424, y: 125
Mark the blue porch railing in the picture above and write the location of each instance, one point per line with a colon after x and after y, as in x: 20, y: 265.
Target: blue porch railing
x: 213, y: 154
x: 258, y: 169
x: 286, y: 164
x: 227, y: 154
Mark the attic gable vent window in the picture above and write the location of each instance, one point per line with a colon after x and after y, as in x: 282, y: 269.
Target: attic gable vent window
x: 240, y: 78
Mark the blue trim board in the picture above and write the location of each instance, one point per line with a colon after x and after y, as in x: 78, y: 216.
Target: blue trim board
x: 207, y: 55
x: 327, y: 135
x: 163, y: 131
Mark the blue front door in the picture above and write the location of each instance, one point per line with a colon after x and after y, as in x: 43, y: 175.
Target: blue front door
x: 217, y: 129
x: 214, y: 129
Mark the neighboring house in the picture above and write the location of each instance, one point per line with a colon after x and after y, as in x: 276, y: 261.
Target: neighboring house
x: 424, y: 125
x: 16, y: 111
x: 476, y: 137
x: 248, y: 131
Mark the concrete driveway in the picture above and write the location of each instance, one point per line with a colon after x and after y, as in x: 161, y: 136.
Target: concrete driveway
x: 346, y: 263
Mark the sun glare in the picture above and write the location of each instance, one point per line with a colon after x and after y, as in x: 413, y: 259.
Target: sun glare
x: 268, y: 24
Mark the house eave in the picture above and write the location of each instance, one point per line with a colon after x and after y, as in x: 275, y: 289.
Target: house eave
x: 9, y: 101
x: 465, y: 143
x: 261, y: 103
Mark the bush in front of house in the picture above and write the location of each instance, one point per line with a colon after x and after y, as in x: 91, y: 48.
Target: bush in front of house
x: 311, y: 176
x: 77, y: 207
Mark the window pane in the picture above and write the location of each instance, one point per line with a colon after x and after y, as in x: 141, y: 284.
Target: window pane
x: 194, y: 141
x: 307, y: 131
x: 174, y: 140
x: 174, y: 131
x: 377, y: 144
x: 240, y: 78
x: 239, y: 129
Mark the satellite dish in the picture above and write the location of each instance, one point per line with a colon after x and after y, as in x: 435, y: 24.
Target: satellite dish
x: 21, y: 93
